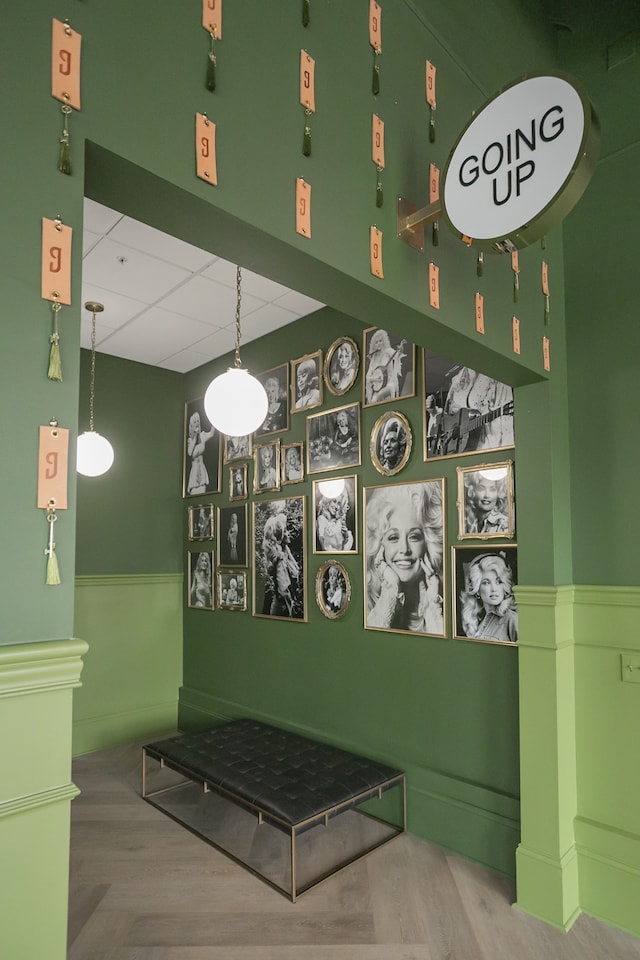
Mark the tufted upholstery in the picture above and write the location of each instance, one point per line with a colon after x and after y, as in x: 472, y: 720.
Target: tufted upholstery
x: 283, y: 774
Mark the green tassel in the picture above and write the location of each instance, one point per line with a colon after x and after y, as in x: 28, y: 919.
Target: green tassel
x: 543, y: 243
x: 53, y: 571
x: 480, y: 264
x: 435, y: 233
x: 432, y: 129
x: 375, y: 83
x: 516, y: 287
x: 546, y: 311
x: 306, y: 5
x: 64, y: 156
x: 379, y: 194
x: 211, y: 72
x: 55, y: 365
x: 306, y: 141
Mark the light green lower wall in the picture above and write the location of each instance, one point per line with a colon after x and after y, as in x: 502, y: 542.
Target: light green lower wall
x: 133, y: 670
x: 579, y: 725
x: 36, y: 688
x: 478, y: 822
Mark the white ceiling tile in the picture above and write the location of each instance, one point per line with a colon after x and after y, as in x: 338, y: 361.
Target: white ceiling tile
x: 118, y: 310
x: 127, y: 271
x: 156, y: 334
x: 98, y: 218
x: 298, y: 303
x: 209, y: 302
x: 148, y: 240
x: 89, y: 240
x: 182, y: 362
x: 251, y: 283
x: 262, y: 321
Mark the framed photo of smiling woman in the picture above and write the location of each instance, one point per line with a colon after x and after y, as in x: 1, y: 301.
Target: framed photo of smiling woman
x: 485, y: 501
x: 404, y: 558
x: 484, y: 607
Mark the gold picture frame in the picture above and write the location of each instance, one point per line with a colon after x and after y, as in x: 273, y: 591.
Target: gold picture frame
x: 201, y: 525
x: 333, y: 439
x: 238, y: 481
x: 266, y: 466
x: 279, y: 559
x: 483, y: 606
x: 237, y: 448
x: 333, y: 589
x: 292, y: 462
x: 335, y: 516
x: 391, y: 443
x: 202, y: 452
x: 389, y: 367
x: 341, y: 366
x: 231, y: 589
x: 306, y: 382
x: 486, y: 506
x: 232, y: 540
x: 200, y: 579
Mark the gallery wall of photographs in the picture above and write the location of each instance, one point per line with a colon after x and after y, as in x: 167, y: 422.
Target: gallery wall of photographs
x: 260, y: 544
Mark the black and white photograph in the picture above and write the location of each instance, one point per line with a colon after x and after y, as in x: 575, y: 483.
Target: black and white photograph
x: 484, y: 607
x: 238, y: 482
x: 279, y: 537
x: 464, y: 411
x: 333, y: 439
x: 391, y: 441
x: 266, y: 466
x: 341, y: 363
x: 232, y: 590
x: 485, y: 503
x: 237, y: 448
x: 335, y: 515
x: 389, y: 365
x: 232, y: 536
x: 200, y: 580
x: 404, y: 557
x: 200, y: 523
x: 202, y: 452
x: 306, y: 382
x: 276, y: 385
x: 292, y: 455
x: 333, y: 589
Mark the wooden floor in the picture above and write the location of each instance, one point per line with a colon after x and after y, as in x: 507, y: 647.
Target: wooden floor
x: 144, y: 888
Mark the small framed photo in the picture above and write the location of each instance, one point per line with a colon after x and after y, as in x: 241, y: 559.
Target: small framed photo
x: 404, y: 576
x: 333, y: 589
x: 306, y: 382
x: 202, y: 452
x: 464, y: 411
x: 485, y: 501
x: 238, y: 482
x: 200, y: 580
x: 279, y: 537
x: 391, y: 441
x: 333, y: 439
x: 389, y: 367
x: 276, y: 384
x: 292, y: 455
x: 237, y: 448
x: 341, y: 364
x: 335, y: 515
x: 201, y: 522
x: 266, y: 466
x: 484, y: 607
x: 232, y: 589
x: 232, y: 536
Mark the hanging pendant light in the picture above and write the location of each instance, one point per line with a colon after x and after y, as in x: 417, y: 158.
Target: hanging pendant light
x: 235, y: 402
x: 94, y: 453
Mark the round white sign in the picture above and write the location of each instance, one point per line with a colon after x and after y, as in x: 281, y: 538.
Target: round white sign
x: 521, y: 163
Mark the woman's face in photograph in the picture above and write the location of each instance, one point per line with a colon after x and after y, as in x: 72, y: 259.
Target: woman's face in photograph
x: 292, y: 460
x: 485, y: 496
x: 273, y: 390
x: 302, y: 376
x: 345, y: 356
x: 404, y: 544
x: 391, y: 445
x: 266, y: 456
x: 492, y: 590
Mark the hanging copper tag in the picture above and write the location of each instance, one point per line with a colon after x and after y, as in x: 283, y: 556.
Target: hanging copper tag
x: 65, y: 64
x: 545, y: 290
x: 53, y: 459
x: 546, y: 359
x: 212, y: 17
x: 479, y: 313
x: 206, y: 167
x: 307, y: 81
x: 434, y: 286
x: 434, y: 196
x: 375, y: 252
x: 515, y: 266
x: 56, y: 261
x: 515, y: 333
x: 377, y: 140
x: 375, y: 26
x: 303, y: 207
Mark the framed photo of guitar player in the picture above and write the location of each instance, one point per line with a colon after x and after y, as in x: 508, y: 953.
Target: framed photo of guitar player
x: 464, y: 411
x: 389, y: 365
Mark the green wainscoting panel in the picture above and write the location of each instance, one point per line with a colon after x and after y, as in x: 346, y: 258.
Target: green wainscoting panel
x: 133, y: 625
x: 36, y: 698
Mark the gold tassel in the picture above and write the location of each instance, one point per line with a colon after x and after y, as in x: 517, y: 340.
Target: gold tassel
x: 64, y: 156
x: 379, y: 190
x: 306, y: 12
x: 306, y: 139
x: 55, y: 364
x: 432, y: 125
x: 480, y: 264
x: 211, y: 66
x: 53, y: 571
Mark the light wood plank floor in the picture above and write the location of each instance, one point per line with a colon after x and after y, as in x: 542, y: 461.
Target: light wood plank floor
x: 144, y: 888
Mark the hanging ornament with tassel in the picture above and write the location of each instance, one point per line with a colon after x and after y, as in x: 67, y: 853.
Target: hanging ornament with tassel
x: 53, y: 457
x: 307, y: 97
x: 515, y: 266
x: 306, y: 12
x: 377, y: 154
x: 430, y: 96
x: 55, y: 365
x: 56, y: 283
x: 212, y: 23
x: 375, y: 39
x: 545, y: 291
x: 65, y: 83
x: 53, y: 570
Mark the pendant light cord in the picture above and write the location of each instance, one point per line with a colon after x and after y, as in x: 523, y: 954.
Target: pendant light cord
x: 238, y: 301
x: 92, y: 384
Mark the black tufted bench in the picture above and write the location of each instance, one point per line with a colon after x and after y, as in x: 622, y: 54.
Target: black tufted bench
x: 287, y: 781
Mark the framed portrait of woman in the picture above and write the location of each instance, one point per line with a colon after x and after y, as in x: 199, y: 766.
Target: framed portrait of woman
x: 306, y: 382
x: 391, y: 441
x: 335, y: 516
x: 200, y: 523
x: 389, y: 367
x: 201, y: 452
x: 279, y: 537
x: 484, y: 607
x: 292, y: 456
x: 237, y: 448
x: 465, y: 411
x: 341, y: 364
x: 238, y: 482
x: 404, y: 558
x: 333, y: 589
x: 200, y: 579
x: 266, y: 466
x: 232, y: 589
x: 232, y: 536
x: 485, y: 501
x: 276, y: 385
x: 333, y: 439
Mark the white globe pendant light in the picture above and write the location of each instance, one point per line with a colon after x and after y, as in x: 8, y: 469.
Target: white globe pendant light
x: 331, y: 488
x: 94, y: 453
x: 235, y: 402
